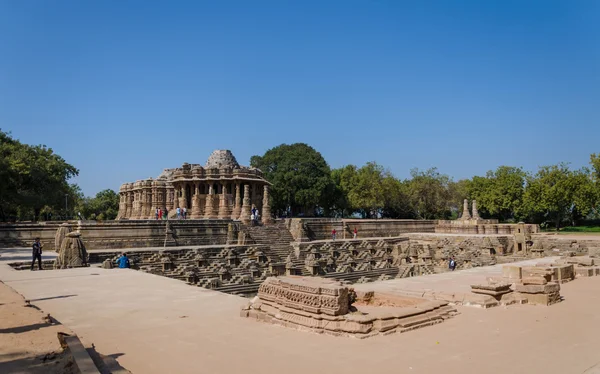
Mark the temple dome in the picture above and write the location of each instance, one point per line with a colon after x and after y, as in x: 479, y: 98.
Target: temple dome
x: 221, y: 158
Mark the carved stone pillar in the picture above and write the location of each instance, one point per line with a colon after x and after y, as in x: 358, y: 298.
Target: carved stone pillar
x: 196, y: 202
x: 237, y: 209
x: 183, y: 198
x: 246, y: 206
x: 465, y: 215
x: 266, y: 207
x: 174, y: 199
x: 208, y: 208
x: 128, y: 203
x: 136, y: 205
x: 254, y: 199
x: 223, y: 206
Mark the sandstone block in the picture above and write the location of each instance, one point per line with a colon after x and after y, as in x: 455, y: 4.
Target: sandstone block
x: 594, y: 252
x: 541, y: 298
x: 537, y: 288
x: 511, y: 272
x: 563, y: 273
x: 584, y: 272
x: 538, y: 271
x: 535, y: 280
x: 582, y: 261
x: 315, y: 295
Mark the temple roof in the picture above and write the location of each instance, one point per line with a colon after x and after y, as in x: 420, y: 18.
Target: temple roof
x: 221, y: 158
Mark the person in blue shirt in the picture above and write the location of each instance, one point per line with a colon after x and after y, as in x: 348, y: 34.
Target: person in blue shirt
x: 123, y: 261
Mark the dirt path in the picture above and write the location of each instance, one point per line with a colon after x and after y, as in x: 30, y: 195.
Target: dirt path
x: 28, y: 342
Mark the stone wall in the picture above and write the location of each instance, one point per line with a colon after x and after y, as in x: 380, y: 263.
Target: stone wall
x: 304, y: 229
x: 483, y: 227
x: 120, y: 234
x: 553, y: 244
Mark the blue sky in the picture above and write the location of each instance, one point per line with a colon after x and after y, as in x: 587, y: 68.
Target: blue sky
x: 123, y: 89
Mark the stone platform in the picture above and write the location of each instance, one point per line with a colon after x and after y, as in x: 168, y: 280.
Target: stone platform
x: 323, y: 306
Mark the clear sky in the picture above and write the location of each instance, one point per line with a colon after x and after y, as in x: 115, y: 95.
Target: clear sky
x: 123, y: 89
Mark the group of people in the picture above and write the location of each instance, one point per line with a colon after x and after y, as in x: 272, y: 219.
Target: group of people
x: 354, y: 234
x: 160, y: 214
x: 254, y: 217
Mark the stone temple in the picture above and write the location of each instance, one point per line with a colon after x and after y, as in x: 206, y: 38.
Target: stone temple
x: 222, y: 189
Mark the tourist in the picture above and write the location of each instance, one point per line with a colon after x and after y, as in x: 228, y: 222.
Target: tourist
x: 123, y: 261
x: 37, y: 253
x: 184, y: 212
x: 452, y: 264
x: 178, y: 212
x: 156, y: 214
x: 333, y: 232
x: 160, y: 212
x: 166, y: 214
x: 355, y: 234
x: 253, y: 210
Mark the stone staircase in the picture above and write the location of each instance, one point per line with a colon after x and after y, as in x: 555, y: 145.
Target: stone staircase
x: 276, y: 236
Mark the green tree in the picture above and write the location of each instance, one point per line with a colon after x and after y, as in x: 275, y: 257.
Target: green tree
x: 500, y: 193
x: 32, y: 178
x: 396, y: 199
x: 104, y: 206
x: 556, y: 193
x: 300, y: 175
x: 430, y: 194
x: 342, y: 179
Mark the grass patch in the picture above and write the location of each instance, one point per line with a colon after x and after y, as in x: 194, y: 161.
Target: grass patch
x: 581, y: 229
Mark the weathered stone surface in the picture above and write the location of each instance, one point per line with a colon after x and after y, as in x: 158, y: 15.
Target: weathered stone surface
x: 581, y: 261
x: 534, y: 280
x: 537, y: 271
x: 315, y: 295
x: 594, y: 252
x: 72, y: 252
x: 221, y: 158
x: 511, y: 272
x: 541, y: 298
x: 321, y: 305
x: 62, y: 231
x: 585, y: 272
x: 537, y: 288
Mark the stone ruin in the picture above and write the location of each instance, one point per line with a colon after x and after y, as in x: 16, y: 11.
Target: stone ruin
x: 60, y: 235
x: 72, y: 252
x: 537, y: 285
x: 326, y: 306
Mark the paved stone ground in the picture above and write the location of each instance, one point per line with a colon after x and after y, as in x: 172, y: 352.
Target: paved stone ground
x: 457, y: 281
x: 160, y: 325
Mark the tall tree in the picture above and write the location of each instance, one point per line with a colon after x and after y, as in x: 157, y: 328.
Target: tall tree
x: 300, y: 175
x: 500, y: 192
x: 430, y: 194
x: 104, y: 206
x: 556, y: 193
x: 33, y: 177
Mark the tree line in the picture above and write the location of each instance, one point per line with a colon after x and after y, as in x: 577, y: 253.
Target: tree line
x: 34, y: 185
x: 304, y: 184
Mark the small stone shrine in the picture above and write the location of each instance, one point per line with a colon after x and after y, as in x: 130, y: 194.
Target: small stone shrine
x: 72, y: 252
